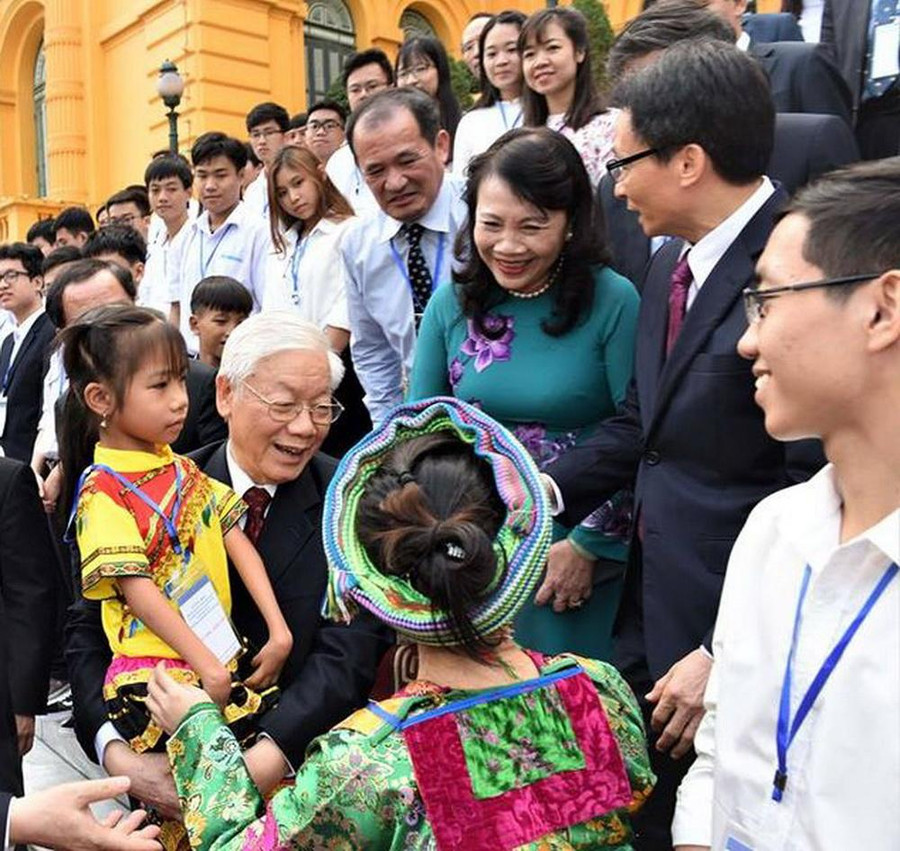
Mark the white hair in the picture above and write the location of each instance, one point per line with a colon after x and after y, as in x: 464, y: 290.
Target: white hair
x: 265, y: 334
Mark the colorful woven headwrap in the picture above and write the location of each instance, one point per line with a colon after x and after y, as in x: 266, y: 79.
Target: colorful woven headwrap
x: 524, y: 537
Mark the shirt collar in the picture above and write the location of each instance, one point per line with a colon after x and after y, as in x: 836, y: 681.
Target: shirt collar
x: 709, y: 250
x: 743, y: 42
x: 131, y: 460
x: 235, y: 217
x: 21, y: 330
x: 240, y: 481
x: 436, y: 217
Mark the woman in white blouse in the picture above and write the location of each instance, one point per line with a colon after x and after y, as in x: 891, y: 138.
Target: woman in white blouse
x: 498, y: 109
x: 308, y: 216
x: 559, y: 85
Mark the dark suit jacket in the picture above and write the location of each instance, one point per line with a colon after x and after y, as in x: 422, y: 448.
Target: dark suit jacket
x: 331, y: 668
x: 803, y: 78
x: 845, y: 25
x: 806, y: 146
x: 28, y: 581
x: 777, y: 26
x: 203, y: 424
x: 691, y: 439
x: 23, y: 407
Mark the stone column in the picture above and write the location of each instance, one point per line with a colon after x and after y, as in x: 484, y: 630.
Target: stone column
x: 66, y: 108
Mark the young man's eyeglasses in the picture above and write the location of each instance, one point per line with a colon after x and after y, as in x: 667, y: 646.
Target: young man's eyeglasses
x: 617, y: 168
x: 326, y: 126
x: 10, y: 276
x: 755, y: 299
x: 366, y: 88
x: 325, y: 413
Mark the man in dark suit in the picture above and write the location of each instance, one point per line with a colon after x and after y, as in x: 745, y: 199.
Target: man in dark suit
x: 850, y: 29
x: 777, y: 26
x: 27, y: 596
x: 693, y: 139
x: 23, y: 351
x: 274, y: 389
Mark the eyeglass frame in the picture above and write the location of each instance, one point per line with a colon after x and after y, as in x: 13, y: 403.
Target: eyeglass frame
x: 754, y: 297
x: 10, y: 276
x: 336, y: 407
x: 328, y: 125
x: 369, y: 88
x: 617, y: 167
x: 415, y: 72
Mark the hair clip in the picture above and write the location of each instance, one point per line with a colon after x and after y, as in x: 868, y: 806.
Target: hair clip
x: 406, y: 478
x: 455, y: 552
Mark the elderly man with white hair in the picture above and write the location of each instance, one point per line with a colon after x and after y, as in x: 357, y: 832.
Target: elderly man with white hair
x: 274, y: 390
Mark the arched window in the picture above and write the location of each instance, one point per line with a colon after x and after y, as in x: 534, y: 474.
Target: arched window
x: 39, y: 100
x: 329, y: 36
x: 414, y: 23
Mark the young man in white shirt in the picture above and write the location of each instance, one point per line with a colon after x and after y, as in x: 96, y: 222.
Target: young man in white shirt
x: 226, y: 238
x: 267, y: 125
x: 800, y: 744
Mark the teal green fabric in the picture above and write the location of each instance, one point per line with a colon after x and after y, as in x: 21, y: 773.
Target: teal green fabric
x: 547, y: 391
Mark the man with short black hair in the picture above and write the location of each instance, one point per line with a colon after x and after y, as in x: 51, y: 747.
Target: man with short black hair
x: 72, y: 226
x: 23, y: 352
x: 394, y: 259
x: 691, y: 144
x: 42, y: 235
x: 267, y: 124
x: 365, y: 75
x: 120, y: 244
x: 130, y: 207
x: 296, y: 132
x: 226, y: 238
x: 325, y: 128
x: 471, y: 39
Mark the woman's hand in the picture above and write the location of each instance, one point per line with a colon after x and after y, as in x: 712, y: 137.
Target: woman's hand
x: 270, y: 660
x: 569, y: 579
x: 169, y: 701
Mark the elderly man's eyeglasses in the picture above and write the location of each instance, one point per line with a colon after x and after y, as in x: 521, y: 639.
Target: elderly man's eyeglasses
x: 414, y: 73
x: 755, y: 299
x: 10, y: 276
x: 325, y: 413
x: 326, y: 126
x: 618, y: 168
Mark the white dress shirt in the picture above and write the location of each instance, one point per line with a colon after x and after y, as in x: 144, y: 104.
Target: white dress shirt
x: 256, y: 196
x: 380, y: 304
x: 162, y: 275
x: 478, y: 129
x: 55, y: 383
x: 843, y: 783
x: 344, y: 173
x: 309, y: 276
x: 239, y: 248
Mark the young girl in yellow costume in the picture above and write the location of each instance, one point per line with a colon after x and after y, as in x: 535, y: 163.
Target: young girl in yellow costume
x: 154, y: 533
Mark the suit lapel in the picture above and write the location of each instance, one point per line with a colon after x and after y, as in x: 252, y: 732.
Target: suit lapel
x: 27, y: 343
x: 5, y: 355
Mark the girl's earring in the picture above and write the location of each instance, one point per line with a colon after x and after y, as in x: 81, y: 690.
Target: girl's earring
x: 103, y: 423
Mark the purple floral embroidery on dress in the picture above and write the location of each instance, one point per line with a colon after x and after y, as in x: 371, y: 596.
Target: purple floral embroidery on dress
x: 455, y: 373
x: 487, y: 349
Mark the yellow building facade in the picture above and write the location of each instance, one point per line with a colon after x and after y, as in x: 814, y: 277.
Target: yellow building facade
x: 79, y: 113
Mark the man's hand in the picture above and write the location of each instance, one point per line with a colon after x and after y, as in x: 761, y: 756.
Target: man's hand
x: 151, y: 779
x: 169, y: 701
x: 25, y: 733
x: 568, y: 580
x: 61, y: 818
x: 678, y: 696
x: 50, y: 489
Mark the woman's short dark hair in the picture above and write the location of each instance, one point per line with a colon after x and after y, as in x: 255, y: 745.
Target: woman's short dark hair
x: 489, y: 92
x: 586, y: 102
x: 430, y: 493
x: 707, y: 93
x: 431, y: 50
x: 544, y: 169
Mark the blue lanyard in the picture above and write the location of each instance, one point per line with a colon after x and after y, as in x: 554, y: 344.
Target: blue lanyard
x: 476, y: 700
x: 439, y: 261
x: 296, y: 260
x: 787, y: 729
x: 204, y: 265
x: 168, y: 522
x: 516, y: 120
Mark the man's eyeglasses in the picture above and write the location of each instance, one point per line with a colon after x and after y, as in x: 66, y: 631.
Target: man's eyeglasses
x: 264, y: 134
x: 755, y: 299
x: 326, y: 126
x: 366, y: 88
x: 617, y: 168
x: 10, y: 276
x: 127, y: 220
x: 416, y: 72
x: 325, y: 413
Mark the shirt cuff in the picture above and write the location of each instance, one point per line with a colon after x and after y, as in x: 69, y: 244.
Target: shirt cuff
x: 289, y: 771
x: 9, y: 812
x: 707, y: 653
x: 557, y: 505
x: 105, y: 736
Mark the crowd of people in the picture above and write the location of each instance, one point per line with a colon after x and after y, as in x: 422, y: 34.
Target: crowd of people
x: 515, y: 478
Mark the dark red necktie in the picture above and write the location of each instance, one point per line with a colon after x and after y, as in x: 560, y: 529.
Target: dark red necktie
x: 257, y: 500
x: 678, y: 293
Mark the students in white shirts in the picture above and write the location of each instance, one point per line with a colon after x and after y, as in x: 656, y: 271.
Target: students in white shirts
x: 800, y: 743
x: 267, y: 125
x: 498, y: 109
x: 308, y: 220
x: 169, y: 180
x: 365, y: 75
x: 226, y: 238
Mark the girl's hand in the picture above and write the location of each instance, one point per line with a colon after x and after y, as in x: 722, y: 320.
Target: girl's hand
x: 216, y: 682
x: 169, y: 701
x: 270, y: 660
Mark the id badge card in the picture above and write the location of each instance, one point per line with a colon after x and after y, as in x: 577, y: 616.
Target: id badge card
x: 738, y: 839
x: 886, y: 50
x: 204, y: 614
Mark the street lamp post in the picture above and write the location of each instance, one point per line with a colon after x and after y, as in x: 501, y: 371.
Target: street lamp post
x: 170, y: 87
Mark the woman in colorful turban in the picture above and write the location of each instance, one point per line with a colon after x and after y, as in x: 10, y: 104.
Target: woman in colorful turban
x: 438, y: 524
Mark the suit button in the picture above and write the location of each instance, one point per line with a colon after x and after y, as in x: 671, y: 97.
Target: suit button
x: 651, y: 456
